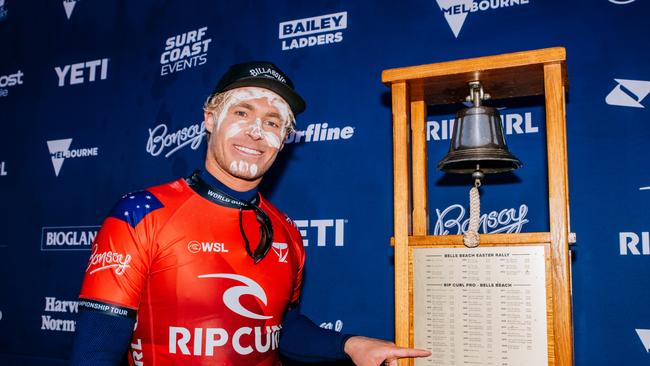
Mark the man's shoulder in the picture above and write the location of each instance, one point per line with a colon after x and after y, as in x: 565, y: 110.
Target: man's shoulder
x: 272, y: 210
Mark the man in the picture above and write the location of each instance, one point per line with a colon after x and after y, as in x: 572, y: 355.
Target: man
x: 183, y: 272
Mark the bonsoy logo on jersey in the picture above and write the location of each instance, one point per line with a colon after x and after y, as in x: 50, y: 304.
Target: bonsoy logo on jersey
x: 244, y: 340
x: 456, y: 11
x: 82, y: 72
x: 513, y: 124
x: 628, y: 93
x: 60, y: 150
x: 315, y: 31
x: 322, y: 232
x: 185, y: 51
x: 68, y: 6
x: 7, y: 81
x: 319, y: 132
x: 161, y: 140
x: 68, y: 237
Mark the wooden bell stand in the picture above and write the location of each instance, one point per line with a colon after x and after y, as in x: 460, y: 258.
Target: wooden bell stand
x: 537, y: 72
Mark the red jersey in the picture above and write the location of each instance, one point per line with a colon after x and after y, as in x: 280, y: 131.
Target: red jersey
x: 178, y: 259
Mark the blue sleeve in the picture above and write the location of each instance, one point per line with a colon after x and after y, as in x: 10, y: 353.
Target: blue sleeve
x: 302, y: 340
x: 101, y: 339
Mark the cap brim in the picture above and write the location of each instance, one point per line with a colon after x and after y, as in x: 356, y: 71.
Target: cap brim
x: 294, y: 100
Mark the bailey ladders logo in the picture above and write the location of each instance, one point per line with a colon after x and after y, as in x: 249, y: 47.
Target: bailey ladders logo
x: 60, y: 150
x: 456, y: 11
x: 68, y: 6
x: 231, y: 297
x: 628, y: 93
x: 300, y: 33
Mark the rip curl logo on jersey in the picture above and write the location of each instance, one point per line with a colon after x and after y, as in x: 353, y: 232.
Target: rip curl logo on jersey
x: 628, y: 93
x: 323, y: 232
x: 120, y: 262
x: 206, y: 247
x: 319, y: 132
x: 82, y: 72
x: 456, y: 11
x: 513, y: 124
x: 281, y: 250
x: 60, y: 150
x: 68, y: 6
x: 231, y: 297
x: 7, y: 81
x: 644, y: 336
x: 185, y: 51
x: 452, y: 220
x: 314, y: 31
x: 161, y: 140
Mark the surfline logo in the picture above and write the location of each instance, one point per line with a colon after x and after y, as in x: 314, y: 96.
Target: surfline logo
x: 456, y: 11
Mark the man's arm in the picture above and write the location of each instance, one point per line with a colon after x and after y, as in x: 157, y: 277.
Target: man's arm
x: 101, y: 339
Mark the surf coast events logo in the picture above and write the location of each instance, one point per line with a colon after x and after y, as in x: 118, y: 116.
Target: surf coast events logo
x: 314, y: 31
x: 185, y: 51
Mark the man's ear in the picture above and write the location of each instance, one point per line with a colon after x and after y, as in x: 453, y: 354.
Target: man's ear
x: 208, y: 120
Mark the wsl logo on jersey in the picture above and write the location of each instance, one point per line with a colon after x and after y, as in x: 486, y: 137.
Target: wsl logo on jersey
x: 163, y: 141
x: 185, y: 51
x: 513, y: 124
x: 455, y: 11
x: 68, y: 237
x: 82, y: 72
x: 319, y: 132
x: 628, y: 93
x: 60, y: 151
x: 322, y: 232
x: 7, y: 81
x: 315, y: 31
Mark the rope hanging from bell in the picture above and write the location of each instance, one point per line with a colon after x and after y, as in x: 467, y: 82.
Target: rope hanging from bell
x: 471, y: 238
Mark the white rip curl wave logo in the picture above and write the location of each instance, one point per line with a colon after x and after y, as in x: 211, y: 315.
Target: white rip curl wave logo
x: 231, y: 297
x: 452, y: 221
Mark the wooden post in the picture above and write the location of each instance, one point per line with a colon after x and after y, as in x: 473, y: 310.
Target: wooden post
x: 419, y: 160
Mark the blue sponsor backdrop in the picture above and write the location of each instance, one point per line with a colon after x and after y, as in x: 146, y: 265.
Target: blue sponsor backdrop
x: 96, y: 101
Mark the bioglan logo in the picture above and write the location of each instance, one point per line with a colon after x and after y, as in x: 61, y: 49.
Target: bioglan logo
x: 628, y: 93
x: 52, y: 304
x: 82, y: 72
x: 11, y: 80
x: 644, y: 336
x: 161, y: 140
x: 324, y: 232
x: 68, y: 6
x: 244, y: 340
x: 452, y: 220
x: 60, y: 150
x: 315, y: 31
x: 513, y: 123
x: 3, y: 169
x: 456, y: 11
x: 57, y: 238
x: 318, y: 132
x: 206, y: 247
x: 185, y: 51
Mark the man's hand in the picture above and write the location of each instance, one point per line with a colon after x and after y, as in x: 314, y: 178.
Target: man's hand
x: 374, y: 352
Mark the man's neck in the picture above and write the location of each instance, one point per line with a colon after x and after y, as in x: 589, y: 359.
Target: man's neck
x: 238, y: 187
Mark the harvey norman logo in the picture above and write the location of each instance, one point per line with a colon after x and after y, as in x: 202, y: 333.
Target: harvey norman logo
x: 67, y: 237
x: 455, y: 11
x: 513, y: 123
x: 54, y: 305
x: 314, y: 31
x: 628, y: 93
x: 60, y: 150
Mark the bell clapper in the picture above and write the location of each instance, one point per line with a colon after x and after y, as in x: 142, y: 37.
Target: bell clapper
x: 471, y: 239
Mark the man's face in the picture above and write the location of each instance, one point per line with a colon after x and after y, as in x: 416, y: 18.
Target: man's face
x: 247, y: 133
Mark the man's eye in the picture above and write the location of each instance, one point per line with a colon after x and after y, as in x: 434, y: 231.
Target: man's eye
x: 240, y: 113
x: 272, y: 124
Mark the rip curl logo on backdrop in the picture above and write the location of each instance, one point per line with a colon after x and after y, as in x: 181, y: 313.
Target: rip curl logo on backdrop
x: 60, y: 150
x: 513, y: 124
x: 314, y: 31
x: 231, y: 297
x: 185, y: 51
x: 456, y: 11
x: 162, y: 140
x: 628, y: 93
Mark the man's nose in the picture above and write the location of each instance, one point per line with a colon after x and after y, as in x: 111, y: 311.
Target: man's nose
x: 255, y: 130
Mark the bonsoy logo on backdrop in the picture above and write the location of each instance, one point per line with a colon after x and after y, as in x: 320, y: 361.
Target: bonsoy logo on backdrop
x: 82, y: 72
x: 68, y: 6
x: 455, y: 11
x: 68, y: 237
x: 185, y: 51
x: 162, y: 140
x: 513, y: 123
x: 60, y: 150
x: 324, y: 232
x: 454, y: 221
x: 11, y: 80
x: 316, y: 132
x: 628, y: 93
x: 315, y: 31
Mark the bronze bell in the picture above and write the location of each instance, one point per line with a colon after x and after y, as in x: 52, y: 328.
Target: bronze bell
x: 477, y: 141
